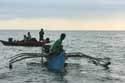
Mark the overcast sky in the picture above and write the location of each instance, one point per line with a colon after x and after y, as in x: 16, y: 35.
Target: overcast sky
x: 59, y: 8
x: 87, y: 10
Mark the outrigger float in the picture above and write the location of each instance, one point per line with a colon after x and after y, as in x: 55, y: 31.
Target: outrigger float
x: 58, y: 62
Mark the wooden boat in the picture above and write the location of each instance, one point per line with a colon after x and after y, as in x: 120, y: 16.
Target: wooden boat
x: 21, y: 43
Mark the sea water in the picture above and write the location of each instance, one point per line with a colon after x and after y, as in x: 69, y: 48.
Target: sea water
x: 79, y: 70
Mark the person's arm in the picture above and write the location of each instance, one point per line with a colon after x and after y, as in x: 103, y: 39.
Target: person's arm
x: 56, y: 47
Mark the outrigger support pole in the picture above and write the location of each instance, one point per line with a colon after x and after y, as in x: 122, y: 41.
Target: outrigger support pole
x: 23, y: 56
x: 42, y: 55
x: 104, y: 62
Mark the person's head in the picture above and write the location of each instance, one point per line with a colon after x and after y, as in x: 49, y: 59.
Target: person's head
x: 28, y: 33
x: 47, y: 40
x: 24, y: 36
x: 63, y: 35
x: 41, y: 29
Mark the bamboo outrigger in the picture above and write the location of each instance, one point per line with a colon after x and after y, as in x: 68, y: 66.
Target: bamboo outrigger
x: 104, y: 62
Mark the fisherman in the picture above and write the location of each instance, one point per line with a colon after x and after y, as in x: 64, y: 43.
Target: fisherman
x: 29, y: 36
x: 25, y: 38
x: 41, y: 33
x: 56, y: 58
x: 57, y: 46
x: 46, y: 45
x: 47, y: 40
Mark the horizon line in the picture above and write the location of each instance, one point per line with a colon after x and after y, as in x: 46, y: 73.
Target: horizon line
x: 57, y: 30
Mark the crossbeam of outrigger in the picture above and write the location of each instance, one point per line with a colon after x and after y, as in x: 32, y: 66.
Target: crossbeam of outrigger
x: 104, y: 62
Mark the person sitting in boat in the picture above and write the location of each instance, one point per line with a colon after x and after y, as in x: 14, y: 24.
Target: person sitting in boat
x: 56, y: 58
x: 41, y: 35
x: 29, y: 36
x: 46, y: 45
x: 25, y: 39
x: 47, y: 40
x: 10, y: 40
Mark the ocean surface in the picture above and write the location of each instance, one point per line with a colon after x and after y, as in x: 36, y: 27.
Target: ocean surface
x: 80, y: 70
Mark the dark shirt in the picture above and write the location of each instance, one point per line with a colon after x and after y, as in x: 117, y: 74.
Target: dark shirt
x: 41, y: 33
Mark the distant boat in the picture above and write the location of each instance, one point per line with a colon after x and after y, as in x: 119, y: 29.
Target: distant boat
x: 20, y: 43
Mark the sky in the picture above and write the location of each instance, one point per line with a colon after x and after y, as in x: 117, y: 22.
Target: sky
x: 62, y: 14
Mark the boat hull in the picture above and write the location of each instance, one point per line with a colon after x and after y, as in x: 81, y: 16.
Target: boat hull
x: 56, y: 63
x: 19, y: 43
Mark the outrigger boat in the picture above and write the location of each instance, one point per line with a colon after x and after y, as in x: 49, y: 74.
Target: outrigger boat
x: 21, y: 43
x: 58, y: 62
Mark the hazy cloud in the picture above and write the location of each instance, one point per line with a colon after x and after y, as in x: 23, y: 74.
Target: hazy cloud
x: 10, y: 9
